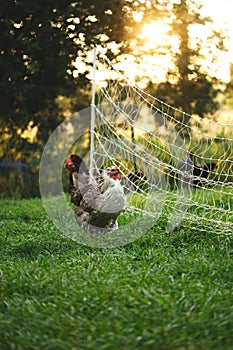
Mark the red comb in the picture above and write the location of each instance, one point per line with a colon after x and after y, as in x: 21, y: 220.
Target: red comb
x: 67, y: 165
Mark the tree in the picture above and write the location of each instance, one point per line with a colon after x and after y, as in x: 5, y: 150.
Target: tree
x: 188, y: 86
x: 39, y: 42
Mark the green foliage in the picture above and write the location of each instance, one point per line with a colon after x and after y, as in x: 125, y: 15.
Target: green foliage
x: 39, y: 44
x: 163, y: 291
x: 188, y: 86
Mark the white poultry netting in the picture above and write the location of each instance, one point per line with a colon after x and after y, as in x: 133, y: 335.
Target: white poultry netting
x: 148, y: 139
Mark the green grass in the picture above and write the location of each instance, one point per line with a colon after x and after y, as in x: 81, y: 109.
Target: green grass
x: 163, y: 291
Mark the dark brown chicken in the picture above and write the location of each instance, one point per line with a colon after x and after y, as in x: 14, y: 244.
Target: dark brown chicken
x: 200, y: 172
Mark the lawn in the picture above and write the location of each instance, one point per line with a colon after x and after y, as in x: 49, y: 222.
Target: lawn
x: 163, y: 291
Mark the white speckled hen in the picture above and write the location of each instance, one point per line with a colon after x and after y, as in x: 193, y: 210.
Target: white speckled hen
x: 98, y: 205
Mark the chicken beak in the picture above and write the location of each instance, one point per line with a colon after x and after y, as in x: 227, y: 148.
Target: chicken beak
x: 115, y: 171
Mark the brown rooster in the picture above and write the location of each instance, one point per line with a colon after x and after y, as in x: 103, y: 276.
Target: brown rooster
x: 200, y: 172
